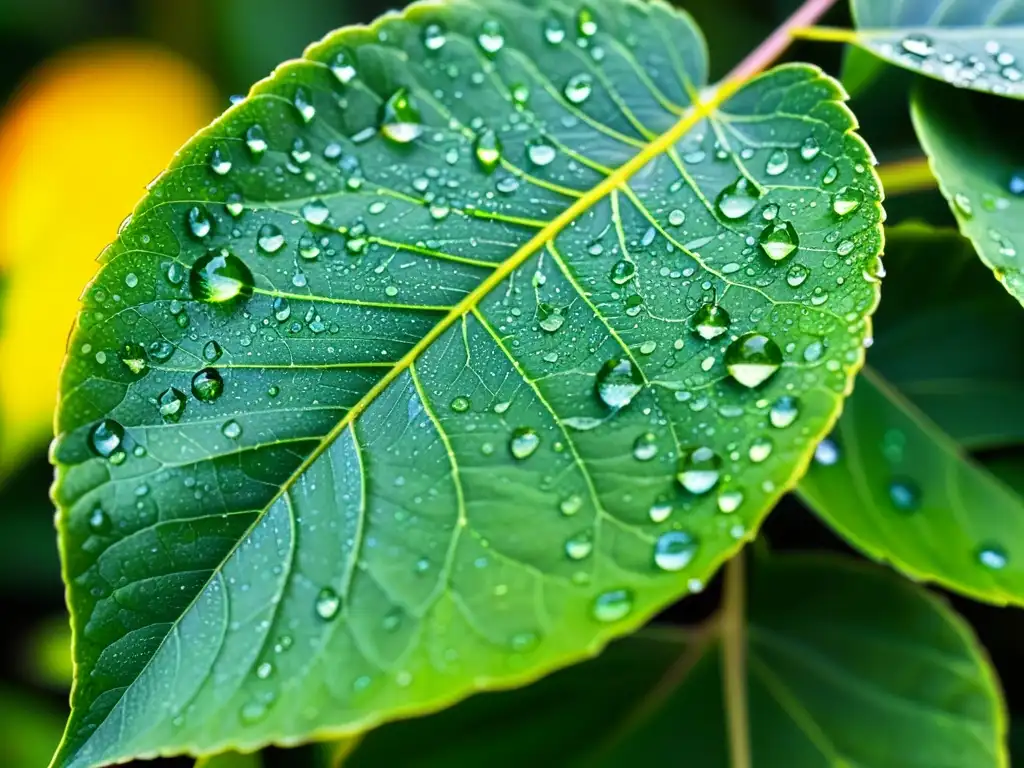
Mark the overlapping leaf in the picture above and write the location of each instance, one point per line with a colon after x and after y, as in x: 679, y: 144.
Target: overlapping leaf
x: 460, y: 347
x: 976, y: 153
x: 895, y: 478
x: 977, y: 44
x: 847, y: 665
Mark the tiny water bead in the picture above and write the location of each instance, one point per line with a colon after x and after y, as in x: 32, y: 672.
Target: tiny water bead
x: 810, y: 149
x: 487, y: 149
x: 551, y: 318
x: 586, y: 24
x: 343, y: 68
x: 207, y: 385
x: 645, y: 447
x: 699, y: 470
x: 918, y: 45
x: 212, y: 351
x: 256, y: 141
x: 540, y: 152
x: 327, y: 604
x: 99, y: 521
x: 729, y: 500
x: 784, y: 411
x: 738, y: 199
x: 434, y: 37
x: 622, y: 272
x: 106, y: 438
x: 578, y: 89
x: 523, y: 443
x: 826, y: 453
x: 847, y: 200
x: 992, y: 556
x: 778, y: 240
x: 220, y: 276
x: 675, y: 550
x: 220, y: 161
x: 315, y: 212
x: 797, y: 275
x: 554, y: 31
x: 760, y: 449
x: 570, y: 505
x: 777, y: 163
x: 752, y: 359
x: 460, y: 404
x: 400, y: 120
x: 618, y: 382
x: 613, y: 605
x: 710, y: 321
x: 304, y: 105
x: 580, y: 546
x: 491, y: 37
x: 231, y: 430
x: 199, y: 222
x: 270, y: 239
x: 171, y: 404
x: 905, y: 495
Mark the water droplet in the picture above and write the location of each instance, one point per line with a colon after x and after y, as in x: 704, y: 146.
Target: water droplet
x: 993, y: 557
x: 905, y: 495
x: 134, y: 358
x: 523, y: 443
x: 171, y: 404
x: 99, y: 521
x: 270, y: 239
x: 308, y: 249
x: 963, y: 204
x: 674, y: 550
x: 540, y: 152
x: 219, y: 277
x: 554, y: 31
x: 207, y: 385
x: 699, y: 470
x: 752, y: 359
x: 231, y: 430
x: 918, y: 45
x: 343, y: 68
x: 327, y: 604
x: 622, y: 272
x: 570, y: 505
x: 551, y: 318
x: 304, y: 106
x: 826, y: 453
x: 618, y: 382
x: 779, y: 240
x: 613, y: 605
x: 460, y: 404
x: 579, y: 546
x: 729, y: 500
x: 264, y: 670
x: 586, y: 24
x: 1016, y: 184
x: 659, y: 512
x: 252, y: 712
x: 220, y: 162
x: 199, y: 222
x: 400, y: 118
x: 847, y: 200
x: 676, y: 217
x: 578, y: 89
x: 784, y: 411
x: 161, y: 351
x: 487, y: 149
x: 434, y: 37
x: 760, y: 449
x: 520, y: 94
x: 645, y: 447
x: 710, y: 321
x: 777, y: 163
x: 234, y: 205
x: 810, y: 149
x: 737, y: 199
x: 315, y: 212
x: 106, y: 438
x: 212, y: 351
x: 256, y: 141
x: 830, y: 175
x: 797, y: 275
x: 491, y: 38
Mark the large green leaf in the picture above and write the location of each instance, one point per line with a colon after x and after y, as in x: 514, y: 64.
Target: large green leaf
x: 976, y: 154
x: 847, y: 665
x: 976, y: 44
x: 895, y: 480
x: 476, y: 411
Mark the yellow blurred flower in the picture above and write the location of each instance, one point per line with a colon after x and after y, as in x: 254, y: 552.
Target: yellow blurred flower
x: 87, y: 132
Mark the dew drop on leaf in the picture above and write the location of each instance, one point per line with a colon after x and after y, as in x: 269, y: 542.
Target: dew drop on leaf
x: 847, y: 200
x: 540, y: 152
x: 613, y: 605
x: 622, y: 272
x: 491, y: 38
x: 460, y: 404
x: 199, y: 222
x: 218, y: 277
x: 231, y: 430
x: 270, y: 239
x: 729, y: 500
x: 256, y: 141
x: 343, y: 68
x: 779, y: 240
x: 327, y: 604
x: 212, y: 351
x: 645, y: 447
x: 826, y: 453
x: 207, y: 385
x: 570, y: 505
x: 579, y: 546
x: 784, y: 411
x: 554, y: 31
x: 618, y: 382
x: 578, y: 89
x: 752, y: 359
x: 434, y: 37
x: 487, y: 149
x: 918, y: 45
x: 760, y: 449
x: 777, y: 163
x: 400, y: 120
x: 171, y: 404
x: 699, y: 470
x: 905, y: 495
x: 710, y: 321
x: 106, y: 438
x: 674, y: 550
x: 737, y: 199
x: 523, y: 443
x: 993, y: 557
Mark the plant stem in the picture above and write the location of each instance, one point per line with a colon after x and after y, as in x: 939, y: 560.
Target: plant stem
x: 904, y: 176
x: 734, y: 661
x: 778, y: 41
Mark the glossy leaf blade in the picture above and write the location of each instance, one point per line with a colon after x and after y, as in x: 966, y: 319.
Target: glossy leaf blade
x: 394, y: 387
x: 973, y: 143
x: 895, y: 478
x: 976, y: 44
x: 826, y: 639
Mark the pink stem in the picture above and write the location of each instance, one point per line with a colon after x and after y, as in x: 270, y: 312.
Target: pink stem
x: 776, y: 44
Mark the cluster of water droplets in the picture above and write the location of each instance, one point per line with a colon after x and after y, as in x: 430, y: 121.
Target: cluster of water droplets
x: 993, y: 68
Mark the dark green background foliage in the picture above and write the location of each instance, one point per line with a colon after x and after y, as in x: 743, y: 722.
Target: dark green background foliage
x: 522, y: 494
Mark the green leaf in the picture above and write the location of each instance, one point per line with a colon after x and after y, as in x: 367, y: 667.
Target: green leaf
x: 890, y: 479
x: 408, y: 378
x: 230, y: 760
x: 847, y: 665
x: 974, y: 145
x: 970, y: 43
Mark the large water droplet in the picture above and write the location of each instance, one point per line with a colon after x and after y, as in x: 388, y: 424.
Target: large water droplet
x: 777, y: 163
x: 199, y: 222
x: 106, y: 438
x: 434, y: 37
x: 460, y: 404
x: 797, y: 275
x: 207, y: 385
x: 343, y: 68
x: 231, y: 429
x: 540, y: 152
x: 327, y: 604
x: 738, y: 199
x: 578, y: 89
x: 491, y: 37
x: 618, y: 382
x: 171, y: 404
x: 918, y: 45
x: 784, y: 411
x: 256, y: 141
x: 778, y: 240
x: 270, y: 239
x: 993, y: 557
x: 580, y: 546
x: 622, y: 272
x: 400, y: 119
x: 220, y: 276
x: 315, y: 212
x: 554, y: 31
x: 710, y: 321
x: 699, y: 470
x: 212, y: 351
x: 810, y: 149
x: 826, y: 453
x: 613, y: 605
x: 487, y: 149
x: 220, y: 161
x: 645, y: 447
x: 752, y: 359
x: 760, y: 449
x: 847, y: 200
x: 523, y: 443
x: 551, y: 318
x: 675, y: 550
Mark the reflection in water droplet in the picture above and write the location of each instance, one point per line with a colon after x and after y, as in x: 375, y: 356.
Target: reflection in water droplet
x: 207, y: 385
x: 797, y: 275
x: 540, y: 152
x: 760, y: 449
x: 622, y: 272
x: 578, y: 89
x: 579, y: 546
x: 231, y: 430
x: 729, y: 500
x: 491, y: 38
x: 212, y: 351
x: 778, y: 240
x: 738, y: 199
x: 675, y: 550
x: 777, y: 163
x: 487, y: 149
x: 171, y: 404
x: 434, y: 37
x: 523, y: 443
x: 256, y: 141
x: 551, y: 318
x: 400, y: 119
x: 847, y: 200
x: 613, y: 605
x: 106, y: 438
x: 618, y: 382
x: 699, y: 470
x: 810, y: 149
x: 993, y: 557
x: 710, y: 321
x: 460, y: 404
x: 905, y: 494
x: 220, y: 276
x: 752, y: 359
x: 327, y: 604
x: 554, y: 31
x: 645, y: 447
x: 269, y: 238
x: 199, y: 222
x: 826, y: 453
x: 784, y: 411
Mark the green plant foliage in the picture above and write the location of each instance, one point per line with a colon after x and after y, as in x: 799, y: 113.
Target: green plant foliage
x: 230, y: 760
x: 974, y: 44
x: 976, y: 153
x: 458, y: 348
x: 894, y: 478
x: 847, y: 665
